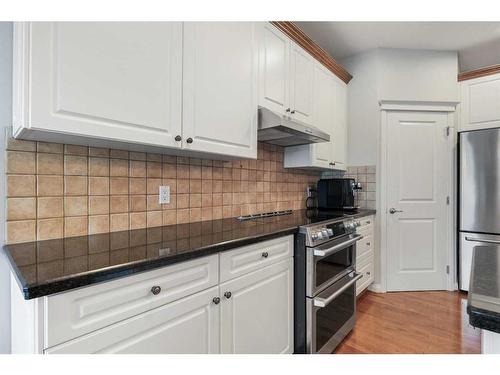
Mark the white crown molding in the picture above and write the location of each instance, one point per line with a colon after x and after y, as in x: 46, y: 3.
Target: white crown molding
x: 411, y: 105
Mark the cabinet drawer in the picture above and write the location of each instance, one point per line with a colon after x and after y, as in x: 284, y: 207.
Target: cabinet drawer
x: 84, y: 310
x: 249, y: 258
x: 367, y: 279
x: 362, y: 260
x: 187, y: 326
x: 364, y: 244
x: 365, y: 221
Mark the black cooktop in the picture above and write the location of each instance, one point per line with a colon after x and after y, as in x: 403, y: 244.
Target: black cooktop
x: 316, y: 216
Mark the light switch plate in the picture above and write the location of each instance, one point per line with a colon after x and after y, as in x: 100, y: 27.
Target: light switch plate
x: 164, y: 194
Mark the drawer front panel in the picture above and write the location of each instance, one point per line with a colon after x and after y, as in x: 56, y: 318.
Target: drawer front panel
x: 249, y: 258
x: 84, y: 310
x: 186, y: 326
x: 364, y: 244
x: 367, y: 279
x: 365, y: 221
x: 362, y: 260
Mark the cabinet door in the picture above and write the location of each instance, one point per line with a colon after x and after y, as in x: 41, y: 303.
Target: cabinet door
x: 323, y: 114
x: 109, y: 80
x: 274, y: 54
x: 258, y: 316
x: 189, y: 325
x: 480, y: 108
x: 220, y: 88
x: 301, y: 83
x: 340, y: 127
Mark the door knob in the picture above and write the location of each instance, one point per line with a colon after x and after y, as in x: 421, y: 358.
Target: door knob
x: 393, y: 210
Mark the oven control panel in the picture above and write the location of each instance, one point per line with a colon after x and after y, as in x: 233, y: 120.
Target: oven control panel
x: 323, y: 232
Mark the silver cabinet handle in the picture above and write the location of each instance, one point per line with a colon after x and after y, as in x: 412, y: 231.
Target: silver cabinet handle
x: 482, y: 241
x: 333, y: 249
x: 393, y: 210
x: 322, y: 302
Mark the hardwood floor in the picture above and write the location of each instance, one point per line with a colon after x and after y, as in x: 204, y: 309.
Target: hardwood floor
x: 412, y: 322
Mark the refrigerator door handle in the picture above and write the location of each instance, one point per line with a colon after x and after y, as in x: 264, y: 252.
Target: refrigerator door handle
x: 482, y: 241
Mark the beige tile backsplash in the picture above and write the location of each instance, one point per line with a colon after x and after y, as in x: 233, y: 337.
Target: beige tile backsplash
x: 366, y: 197
x: 56, y: 190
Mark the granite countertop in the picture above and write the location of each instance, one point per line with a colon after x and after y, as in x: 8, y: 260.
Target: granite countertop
x: 483, y: 304
x: 52, y: 266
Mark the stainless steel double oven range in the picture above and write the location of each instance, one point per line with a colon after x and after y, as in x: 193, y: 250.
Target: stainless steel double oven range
x: 325, y: 283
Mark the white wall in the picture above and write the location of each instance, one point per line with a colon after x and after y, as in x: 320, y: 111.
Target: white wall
x: 392, y: 74
x: 5, y: 120
x: 417, y: 75
x: 363, y: 109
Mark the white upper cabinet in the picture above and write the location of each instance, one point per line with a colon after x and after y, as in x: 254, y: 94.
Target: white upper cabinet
x: 324, y: 112
x: 339, y: 138
x: 329, y: 103
x: 480, y: 103
x: 118, y: 81
x: 301, y: 84
x: 285, y: 75
x: 274, y: 56
x: 220, y: 88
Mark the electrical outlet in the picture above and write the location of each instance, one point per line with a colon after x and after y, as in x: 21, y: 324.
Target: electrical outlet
x: 164, y: 194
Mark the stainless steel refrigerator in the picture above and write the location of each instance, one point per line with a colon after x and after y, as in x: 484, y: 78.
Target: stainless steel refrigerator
x: 479, y: 195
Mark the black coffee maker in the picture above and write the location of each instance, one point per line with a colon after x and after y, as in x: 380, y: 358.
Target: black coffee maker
x: 337, y: 194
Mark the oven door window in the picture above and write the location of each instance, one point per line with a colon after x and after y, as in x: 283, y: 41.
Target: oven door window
x: 330, y: 321
x: 331, y: 267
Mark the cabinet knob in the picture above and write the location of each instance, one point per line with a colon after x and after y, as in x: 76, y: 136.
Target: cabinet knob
x: 228, y: 295
x: 178, y: 138
x: 287, y: 110
x: 265, y: 254
x: 368, y: 243
x: 156, y: 290
x: 189, y: 140
x: 216, y: 300
x: 293, y: 112
x: 368, y: 273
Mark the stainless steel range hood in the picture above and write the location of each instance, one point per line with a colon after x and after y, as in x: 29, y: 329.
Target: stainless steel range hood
x: 283, y: 130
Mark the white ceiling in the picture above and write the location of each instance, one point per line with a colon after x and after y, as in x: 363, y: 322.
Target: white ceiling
x: 478, y: 43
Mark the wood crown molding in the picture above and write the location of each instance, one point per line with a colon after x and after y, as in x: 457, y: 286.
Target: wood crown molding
x: 479, y: 73
x: 301, y: 38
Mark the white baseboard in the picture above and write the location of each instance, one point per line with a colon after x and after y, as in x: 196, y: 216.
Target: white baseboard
x: 376, y: 288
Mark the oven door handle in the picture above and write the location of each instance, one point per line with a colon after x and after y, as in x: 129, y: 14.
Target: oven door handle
x: 322, y: 302
x: 334, y: 249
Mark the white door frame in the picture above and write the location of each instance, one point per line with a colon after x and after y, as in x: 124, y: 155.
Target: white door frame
x: 391, y: 106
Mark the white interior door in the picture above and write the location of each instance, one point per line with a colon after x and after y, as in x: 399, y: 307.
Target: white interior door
x: 418, y: 183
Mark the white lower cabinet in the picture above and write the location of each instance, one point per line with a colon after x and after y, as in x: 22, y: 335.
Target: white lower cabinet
x: 192, y: 312
x: 365, y: 254
x: 189, y: 325
x: 257, y: 311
